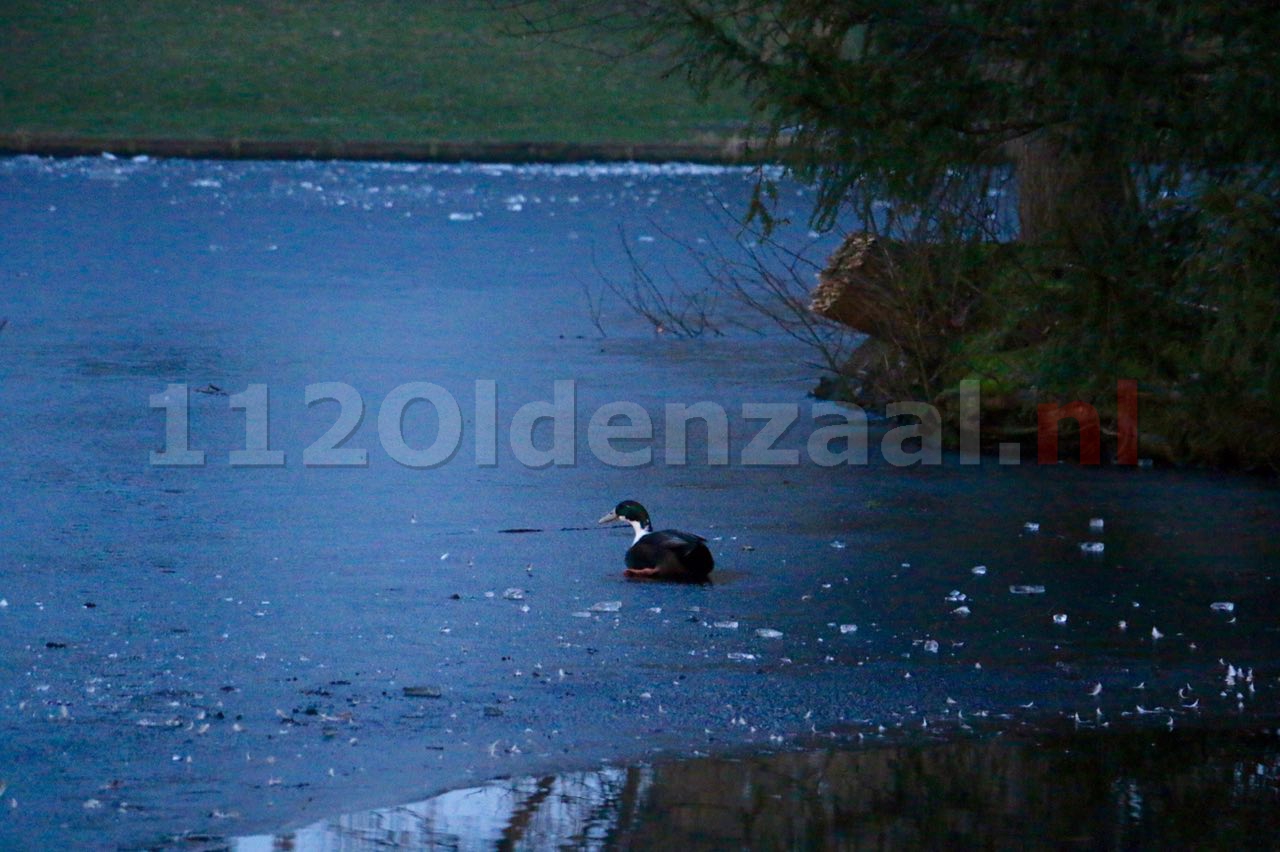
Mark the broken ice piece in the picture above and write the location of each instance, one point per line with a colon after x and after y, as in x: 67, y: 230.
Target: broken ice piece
x: 1026, y: 590
x: 768, y: 633
x: 726, y: 625
x: 1156, y: 634
x: 606, y: 606
x: 740, y: 656
x: 1059, y: 618
x: 960, y: 611
x: 1092, y: 546
x: 423, y: 692
x: 1222, y: 606
x: 979, y: 570
x: 848, y: 628
x: 838, y: 544
x: 931, y: 645
x: 1031, y: 526
x: 1096, y: 523
x: 956, y: 597
x: 514, y: 594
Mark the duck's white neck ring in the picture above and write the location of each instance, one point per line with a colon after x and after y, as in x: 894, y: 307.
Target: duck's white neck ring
x: 641, y: 530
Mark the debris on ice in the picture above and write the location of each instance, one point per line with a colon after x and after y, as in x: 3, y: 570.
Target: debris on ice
x: 606, y: 606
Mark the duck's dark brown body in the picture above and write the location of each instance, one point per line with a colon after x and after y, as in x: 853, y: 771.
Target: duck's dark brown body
x: 675, y: 555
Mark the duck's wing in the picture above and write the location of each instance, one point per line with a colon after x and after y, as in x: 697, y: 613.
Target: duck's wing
x: 674, y: 553
x: 674, y: 540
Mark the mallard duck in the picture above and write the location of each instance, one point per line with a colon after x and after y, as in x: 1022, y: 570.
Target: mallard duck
x: 666, y: 554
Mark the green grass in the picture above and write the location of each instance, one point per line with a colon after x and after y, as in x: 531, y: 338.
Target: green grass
x: 369, y: 70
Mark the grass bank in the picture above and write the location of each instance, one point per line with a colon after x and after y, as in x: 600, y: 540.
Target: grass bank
x: 330, y: 71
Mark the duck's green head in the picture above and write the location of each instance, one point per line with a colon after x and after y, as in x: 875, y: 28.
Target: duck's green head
x: 629, y: 511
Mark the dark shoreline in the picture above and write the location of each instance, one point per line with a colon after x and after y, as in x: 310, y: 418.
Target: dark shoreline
x: 726, y: 152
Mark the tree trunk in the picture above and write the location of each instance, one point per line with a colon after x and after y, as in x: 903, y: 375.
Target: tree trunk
x: 1075, y: 199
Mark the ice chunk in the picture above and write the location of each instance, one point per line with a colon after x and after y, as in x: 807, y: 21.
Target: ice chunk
x: 606, y: 606
x: 423, y: 692
x: 1026, y: 590
x: 838, y: 544
x: 1059, y: 618
x: 1222, y: 606
x: 514, y: 594
x: 931, y: 645
x: 461, y: 217
x: 768, y: 633
x: 1096, y: 524
x: 740, y: 656
x: 848, y: 628
x: 979, y: 570
x: 1031, y: 526
x: 960, y: 611
x: 956, y: 597
x: 726, y: 625
x: 1092, y: 546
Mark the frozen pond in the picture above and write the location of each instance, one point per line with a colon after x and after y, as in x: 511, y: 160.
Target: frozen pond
x: 1085, y: 789
x: 223, y: 648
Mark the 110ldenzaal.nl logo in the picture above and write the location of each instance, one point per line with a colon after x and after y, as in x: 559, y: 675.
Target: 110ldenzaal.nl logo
x: 621, y: 433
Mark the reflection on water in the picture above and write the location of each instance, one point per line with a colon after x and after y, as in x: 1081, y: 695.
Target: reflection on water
x: 1101, y: 790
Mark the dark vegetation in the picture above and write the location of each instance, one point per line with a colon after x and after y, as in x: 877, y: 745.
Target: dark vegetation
x: 1147, y: 183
